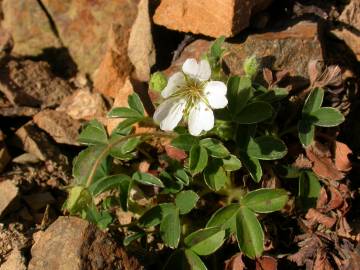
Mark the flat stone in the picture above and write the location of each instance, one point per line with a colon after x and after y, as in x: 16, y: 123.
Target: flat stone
x: 13, y: 111
x: 351, y: 14
x: 83, y: 26
x: 83, y: 105
x: 35, y: 141
x: 38, y: 201
x: 208, y: 17
x: 351, y: 39
x: 8, y: 197
x: 34, y: 34
x: 73, y: 243
x: 26, y: 158
x: 29, y: 83
x: 61, y: 127
x: 15, y: 261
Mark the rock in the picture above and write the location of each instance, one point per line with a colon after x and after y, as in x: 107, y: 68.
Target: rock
x: 4, y: 157
x: 34, y: 34
x: 73, y: 243
x: 83, y: 105
x: 37, y: 201
x: 35, y: 141
x: 18, y: 111
x: 351, y: 14
x: 83, y: 26
x: 8, y: 197
x: 351, y: 39
x: 115, y: 67
x: 141, y: 48
x: 14, y: 261
x: 290, y: 49
x: 30, y: 83
x: 6, y: 43
x: 61, y: 127
x: 209, y: 17
x: 26, y: 158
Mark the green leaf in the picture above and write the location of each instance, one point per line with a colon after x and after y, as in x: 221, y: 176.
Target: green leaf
x: 225, y: 218
x: 328, y: 117
x: 182, y: 259
x: 125, y: 125
x: 133, y: 237
x: 124, y: 113
x: 205, y: 241
x: 85, y: 161
x: 215, y: 148
x: 170, y: 229
x: 254, y: 113
x: 287, y: 171
x: 239, y: 93
x: 147, y: 179
x: 125, y: 187
x: 214, y: 175
x: 184, y: 142
x: 216, y: 48
x: 231, y: 163
x: 265, y: 200
x: 78, y: 199
x: 251, y: 66
x: 182, y: 176
x: 101, y: 219
x: 250, y: 235
x: 272, y: 95
x: 266, y: 148
x: 153, y: 216
x: 186, y: 201
x: 306, y: 132
x: 309, y: 190
x: 121, y: 150
x: 309, y: 185
x: 313, y: 101
x: 93, y: 133
x: 198, y: 159
x: 107, y: 183
x: 135, y: 103
x: 252, y: 165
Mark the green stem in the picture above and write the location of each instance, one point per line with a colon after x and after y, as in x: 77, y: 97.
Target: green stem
x: 108, y: 148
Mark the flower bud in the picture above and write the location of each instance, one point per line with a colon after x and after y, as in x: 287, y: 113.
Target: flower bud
x: 158, y: 81
x: 251, y: 66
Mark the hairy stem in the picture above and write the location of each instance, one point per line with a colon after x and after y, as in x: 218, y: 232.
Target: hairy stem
x: 108, y: 148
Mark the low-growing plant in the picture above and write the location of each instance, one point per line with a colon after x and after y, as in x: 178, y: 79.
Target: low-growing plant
x: 235, y: 130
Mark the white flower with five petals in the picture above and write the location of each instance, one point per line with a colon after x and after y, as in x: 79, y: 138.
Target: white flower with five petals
x: 191, y: 94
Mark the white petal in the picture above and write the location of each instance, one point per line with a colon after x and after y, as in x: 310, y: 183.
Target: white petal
x: 201, y: 117
x: 190, y: 67
x: 174, y: 115
x: 176, y: 80
x: 215, y: 92
x: 204, y: 71
x: 163, y: 110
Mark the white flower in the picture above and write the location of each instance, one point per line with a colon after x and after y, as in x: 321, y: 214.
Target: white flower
x: 190, y: 93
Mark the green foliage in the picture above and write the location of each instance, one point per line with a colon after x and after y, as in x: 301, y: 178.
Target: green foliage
x: 249, y: 139
x: 315, y: 115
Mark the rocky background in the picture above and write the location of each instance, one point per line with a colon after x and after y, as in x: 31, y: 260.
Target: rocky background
x: 63, y: 63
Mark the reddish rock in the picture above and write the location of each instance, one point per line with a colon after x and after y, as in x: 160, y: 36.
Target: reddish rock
x: 60, y: 126
x: 290, y: 49
x: 8, y: 197
x: 351, y: 14
x: 34, y: 33
x: 83, y: 26
x: 35, y: 141
x: 73, y: 243
x: 15, y: 260
x: 351, y: 39
x: 209, y: 17
x: 29, y: 83
x: 83, y: 105
x: 115, y: 67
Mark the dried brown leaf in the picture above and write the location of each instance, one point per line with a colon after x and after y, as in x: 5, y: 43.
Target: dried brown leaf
x: 302, y: 162
x: 313, y: 71
x: 175, y: 153
x: 235, y: 262
x: 268, y: 76
x: 314, y: 216
x: 321, y: 261
x: 336, y: 199
x: 323, y: 166
x: 322, y: 199
x: 342, y: 152
x: 266, y: 263
x: 307, y: 250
